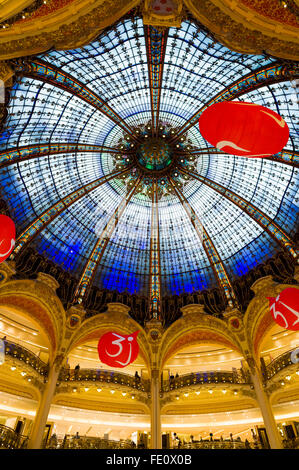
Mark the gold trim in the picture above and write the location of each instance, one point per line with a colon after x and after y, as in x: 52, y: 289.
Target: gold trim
x: 243, y: 30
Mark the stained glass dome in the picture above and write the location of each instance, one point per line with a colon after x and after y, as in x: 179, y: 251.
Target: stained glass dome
x: 106, y: 173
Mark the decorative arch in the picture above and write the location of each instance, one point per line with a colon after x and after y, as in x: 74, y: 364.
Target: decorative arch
x: 116, y: 318
x: 37, y: 299
x: 257, y: 319
x: 192, y: 328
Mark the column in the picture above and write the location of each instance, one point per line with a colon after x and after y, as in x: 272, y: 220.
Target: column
x: 266, y: 409
x: 156, y: 438
x: 37, y: 431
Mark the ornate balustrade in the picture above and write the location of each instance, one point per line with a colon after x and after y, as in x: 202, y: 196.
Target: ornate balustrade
x: 214, y: 445
x: 28, y: 357
x: 279, y: 363
x: 9, y: 439
x: 204, y: 378
x: 72, y: 442
x: 106, y: 376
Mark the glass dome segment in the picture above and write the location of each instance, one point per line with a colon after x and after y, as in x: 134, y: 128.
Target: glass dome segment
x: 106, y: 173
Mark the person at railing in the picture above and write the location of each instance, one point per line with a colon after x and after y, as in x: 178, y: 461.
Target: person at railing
x: 76, y: 371
x: 247, y: 444
x: 67, y: 370
x: 137, y: 377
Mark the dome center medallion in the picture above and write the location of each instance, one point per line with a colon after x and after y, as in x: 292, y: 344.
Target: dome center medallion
x: 154, y: 154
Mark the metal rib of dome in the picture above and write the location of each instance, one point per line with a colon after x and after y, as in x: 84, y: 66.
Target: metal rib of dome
x: 106, y: 173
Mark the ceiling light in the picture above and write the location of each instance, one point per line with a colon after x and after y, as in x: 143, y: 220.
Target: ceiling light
x: 86, y: 389
x: 112, y: 391
x: 99, y: 389
x: 224, y: 391
x: 288, y: 377
x: 133, y: 396
x: 177, y: 397
x: 186, y: 394
x: 123, y: 394
x: 210, y: 391
x: 23, y: 373
x: 13, y: 368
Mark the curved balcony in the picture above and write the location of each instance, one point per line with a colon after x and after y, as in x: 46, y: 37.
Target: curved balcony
x: 215, y: 445
x: 28, y: 357
x: 9, y: 439
x: 279, y: 363
x: 72, y: 442
x: 204, y: 378
x: 96, y: 375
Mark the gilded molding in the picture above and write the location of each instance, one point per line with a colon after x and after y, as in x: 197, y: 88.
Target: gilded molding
x: 37, y: 299
x: 60, y: 30
x: 116, y: 317
x: 243, y: 30
x: 233, y: 23
x: 7, y: 270
x: 6, y: 73
x: 166, y: 21
x: 195, y: 327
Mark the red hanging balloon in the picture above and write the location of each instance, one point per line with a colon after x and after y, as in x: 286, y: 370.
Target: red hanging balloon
x: 118, y: 350
x: 7, y: 237
x: 245, y: 129
x: 285, y: 308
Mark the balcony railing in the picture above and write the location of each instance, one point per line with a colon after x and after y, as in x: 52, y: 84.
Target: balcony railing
x: 214, y: 445
x: 204, y: 378
x: 278, y: 364
x: 9, y: 439
x: 97, y: 375
x: 72, y: 442
x: 28, y: 357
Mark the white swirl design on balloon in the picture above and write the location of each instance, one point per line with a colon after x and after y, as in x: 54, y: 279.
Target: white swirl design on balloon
x: 12, y: 244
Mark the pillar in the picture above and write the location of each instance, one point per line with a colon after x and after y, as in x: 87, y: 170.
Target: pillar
x: 156, y: 437
x: 37, y: 431
x: 266, y: 409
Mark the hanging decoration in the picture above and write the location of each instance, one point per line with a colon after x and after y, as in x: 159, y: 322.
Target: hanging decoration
x: 245, y: 129
x: 118, y: 350
x: 285, y: 308
x: 7, y: 237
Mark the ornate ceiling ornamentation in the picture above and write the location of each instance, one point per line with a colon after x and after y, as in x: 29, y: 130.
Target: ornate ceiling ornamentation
x: 116, y: 185
x: 163, y: 13
x: 236, y: 27
x: 233, y: 23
